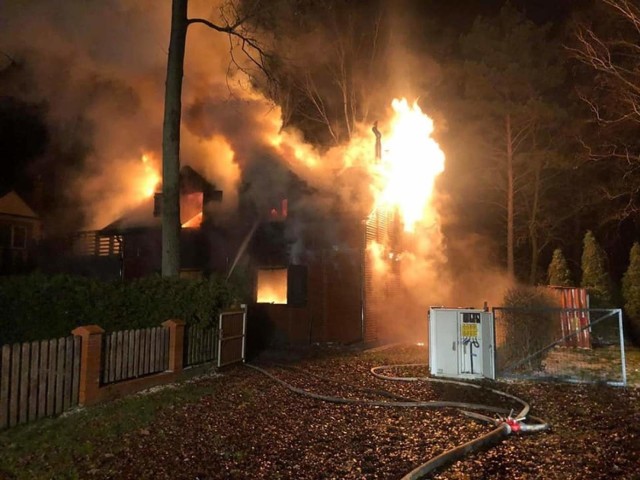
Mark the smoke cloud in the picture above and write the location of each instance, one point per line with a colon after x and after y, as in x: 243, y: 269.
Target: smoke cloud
x: 100, y: 67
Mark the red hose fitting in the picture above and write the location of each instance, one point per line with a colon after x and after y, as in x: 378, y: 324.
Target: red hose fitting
x: 513, y: 424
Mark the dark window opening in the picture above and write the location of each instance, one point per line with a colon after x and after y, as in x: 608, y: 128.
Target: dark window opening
x: 19, y: 238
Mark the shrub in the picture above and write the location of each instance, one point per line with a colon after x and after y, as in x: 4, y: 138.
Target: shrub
x: 559, y: 274
x: 35, y: 307
x: 527, y: 325
x: 594, y: 273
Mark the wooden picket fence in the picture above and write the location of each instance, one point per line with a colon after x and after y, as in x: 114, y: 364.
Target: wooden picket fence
x: 38, y: 379
x: 200, y: 345
x: 42, y: 378
x: 134, y: 353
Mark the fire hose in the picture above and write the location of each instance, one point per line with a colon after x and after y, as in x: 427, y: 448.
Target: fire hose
x: 505, y: 425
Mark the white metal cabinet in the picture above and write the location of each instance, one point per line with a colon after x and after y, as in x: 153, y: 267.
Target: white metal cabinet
x: 461, y: 343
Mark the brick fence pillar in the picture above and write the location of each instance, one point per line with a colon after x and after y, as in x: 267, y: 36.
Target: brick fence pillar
x: 90, y: 363
x: 176, y: 344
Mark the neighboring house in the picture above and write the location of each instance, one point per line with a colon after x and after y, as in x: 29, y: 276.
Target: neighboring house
x: 20, y: 231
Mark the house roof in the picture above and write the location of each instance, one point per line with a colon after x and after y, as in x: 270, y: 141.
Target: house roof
x: 138, y: 218
x: 142, y: 216
x: 12, y: 204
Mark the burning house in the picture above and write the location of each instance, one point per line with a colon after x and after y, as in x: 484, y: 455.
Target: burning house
x: 335, y: 246
x: 130, y: 246
x: 356, y: 284
x: 337, y: 241
x: 313, y: 296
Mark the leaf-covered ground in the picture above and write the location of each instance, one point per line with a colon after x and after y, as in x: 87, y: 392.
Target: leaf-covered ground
x: 244, y: 425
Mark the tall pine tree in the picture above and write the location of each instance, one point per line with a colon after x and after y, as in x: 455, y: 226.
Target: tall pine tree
x: 631, y: 290
x: 510, y: 71
x: 559, y: 274
x: 595, y: 277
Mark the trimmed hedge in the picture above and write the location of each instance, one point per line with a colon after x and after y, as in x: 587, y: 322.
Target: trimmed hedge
x: 37, y: 307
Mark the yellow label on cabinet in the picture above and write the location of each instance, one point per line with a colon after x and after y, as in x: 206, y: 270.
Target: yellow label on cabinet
x: 470, y: 330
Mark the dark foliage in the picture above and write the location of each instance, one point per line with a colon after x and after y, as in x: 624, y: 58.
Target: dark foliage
x: 558, y: 273
x: 595, y: 277
x: 631, y: 292
x: 37, y: 307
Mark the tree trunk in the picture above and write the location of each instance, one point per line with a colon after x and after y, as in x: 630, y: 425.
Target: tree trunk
x: 171, y: 142
x: 510, y: 188
x: 533, y: 226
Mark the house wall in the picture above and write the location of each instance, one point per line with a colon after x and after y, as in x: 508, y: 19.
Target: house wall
x: 18, y: 236
x: 142, y: 253
x: 332, y: 312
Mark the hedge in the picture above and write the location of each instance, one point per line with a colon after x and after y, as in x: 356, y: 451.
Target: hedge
x: 37, y: 307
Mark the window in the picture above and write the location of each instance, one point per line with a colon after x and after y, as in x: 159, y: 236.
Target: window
x: 283, y: 286
x: 272, y: 286
x: 19, y: 237
x: 5, y: 236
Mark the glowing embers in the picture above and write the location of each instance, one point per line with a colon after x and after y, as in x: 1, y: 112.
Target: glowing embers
x: 272, y: 286
x: 279, y: 214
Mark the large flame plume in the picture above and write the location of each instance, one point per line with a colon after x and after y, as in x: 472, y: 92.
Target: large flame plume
x: 411, y: 162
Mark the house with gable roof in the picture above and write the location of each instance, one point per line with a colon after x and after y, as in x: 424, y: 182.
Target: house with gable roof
x: 20, y: 231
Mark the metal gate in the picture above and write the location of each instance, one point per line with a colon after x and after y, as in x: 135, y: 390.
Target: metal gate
x: 232, y: 329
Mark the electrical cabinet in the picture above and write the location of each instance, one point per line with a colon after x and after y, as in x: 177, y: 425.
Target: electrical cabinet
x: 461, y: 343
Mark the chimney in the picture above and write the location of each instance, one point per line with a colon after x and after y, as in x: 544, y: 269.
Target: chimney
x: 157, y: 204
x: 378, y: 135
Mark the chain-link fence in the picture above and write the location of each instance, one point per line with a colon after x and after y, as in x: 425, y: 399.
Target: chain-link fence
x: 564, y: 344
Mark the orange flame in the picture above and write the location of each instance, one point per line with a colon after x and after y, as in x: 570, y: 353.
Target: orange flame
x: 150, y: 178
x: 272, y: 286
x: 411, y: 162
x: 378, y: 256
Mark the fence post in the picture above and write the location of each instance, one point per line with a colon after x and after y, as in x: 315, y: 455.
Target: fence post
x: 90, y: 363
x: 176, y: 344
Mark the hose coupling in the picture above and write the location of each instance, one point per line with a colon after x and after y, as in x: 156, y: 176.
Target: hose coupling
x: 514, y: 424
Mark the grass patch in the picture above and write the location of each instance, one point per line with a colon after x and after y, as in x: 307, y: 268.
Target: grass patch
x: 52, y: 447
